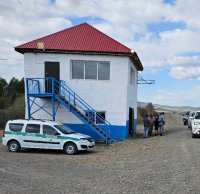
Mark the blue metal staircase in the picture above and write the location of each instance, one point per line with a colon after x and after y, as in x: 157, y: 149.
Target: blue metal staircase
x: 57, y: 92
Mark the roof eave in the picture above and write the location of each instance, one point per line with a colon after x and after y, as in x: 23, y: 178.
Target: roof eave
x: 133, y: 56
x: 136, y: 61
x: 33, y: 50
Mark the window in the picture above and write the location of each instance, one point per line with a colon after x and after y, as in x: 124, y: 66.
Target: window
x: 64, y: 129
x: 77, y: 70
x: 90, y: 70
x: 16, y: 127
x: 96, y: 117
x: 132, y: 76
x: 48, y: 130
x: 104, y: 71
x: 101, y: 118
x: 32, y: 128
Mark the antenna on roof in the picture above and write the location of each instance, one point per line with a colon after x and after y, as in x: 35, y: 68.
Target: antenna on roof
x: 141, y: 80
x: 40, y: 45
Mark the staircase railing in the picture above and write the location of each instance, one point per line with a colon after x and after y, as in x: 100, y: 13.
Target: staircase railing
x: 75, y: 100
x: 50, y: 86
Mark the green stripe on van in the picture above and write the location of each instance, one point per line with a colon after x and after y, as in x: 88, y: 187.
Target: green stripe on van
x: 41, y: 135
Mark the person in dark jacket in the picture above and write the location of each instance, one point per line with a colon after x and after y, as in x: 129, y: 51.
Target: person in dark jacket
x: 146, y: 126
x: 156, y: 124
x: 151, y: 125
x: 161, y: 121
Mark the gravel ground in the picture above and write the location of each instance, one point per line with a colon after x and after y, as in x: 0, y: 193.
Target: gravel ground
x: 167, y: 164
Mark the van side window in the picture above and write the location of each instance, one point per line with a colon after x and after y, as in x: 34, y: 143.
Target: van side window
x: 32, y: 128
x: 48, y: 130
x: 16, y: 127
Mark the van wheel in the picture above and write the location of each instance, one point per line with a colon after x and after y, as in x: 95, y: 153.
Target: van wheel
x: 70, y: 148
x: 13, y: 146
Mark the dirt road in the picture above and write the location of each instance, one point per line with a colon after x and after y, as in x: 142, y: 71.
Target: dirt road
x: 168, y: 164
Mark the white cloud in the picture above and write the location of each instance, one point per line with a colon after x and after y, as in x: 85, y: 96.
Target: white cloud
x: 191, y: 72
x: 185, y: 61
x: 185, y: 67
x: 188, y: 11
x: 180, y: 41
x: 22, y: 21
x: 177, y: 97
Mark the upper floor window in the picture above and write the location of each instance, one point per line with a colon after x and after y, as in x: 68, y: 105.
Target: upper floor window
x: 90, y: 70
x: 132, y: 76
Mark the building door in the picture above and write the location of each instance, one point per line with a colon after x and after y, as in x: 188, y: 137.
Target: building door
x: 131, y: 121
x: 52, y: 69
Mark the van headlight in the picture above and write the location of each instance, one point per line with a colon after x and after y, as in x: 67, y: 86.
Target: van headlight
x: 196, y: 123
x: 83, y: 139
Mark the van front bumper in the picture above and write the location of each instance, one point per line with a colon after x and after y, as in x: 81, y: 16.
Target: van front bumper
x: 86, y: 146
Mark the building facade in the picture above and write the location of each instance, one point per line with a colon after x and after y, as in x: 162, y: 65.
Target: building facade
x: 104, y: 76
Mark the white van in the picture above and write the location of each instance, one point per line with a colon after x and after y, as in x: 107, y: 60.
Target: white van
x: 44, y: 134
x: 195, y: 124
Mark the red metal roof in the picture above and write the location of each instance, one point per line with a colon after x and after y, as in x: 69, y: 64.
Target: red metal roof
x: 82, y: 37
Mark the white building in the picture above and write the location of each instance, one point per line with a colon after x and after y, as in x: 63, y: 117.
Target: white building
x: 102, y: 71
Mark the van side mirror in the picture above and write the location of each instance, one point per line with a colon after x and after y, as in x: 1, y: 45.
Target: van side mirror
x: 57, y: 133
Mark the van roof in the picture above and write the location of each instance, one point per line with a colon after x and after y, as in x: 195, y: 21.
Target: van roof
x: 33, y: 121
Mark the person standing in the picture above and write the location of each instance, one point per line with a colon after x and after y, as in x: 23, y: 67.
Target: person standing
x: 161, y: 121
x: 146, y: 126
x: 156, y: 125
x: 151, y: 124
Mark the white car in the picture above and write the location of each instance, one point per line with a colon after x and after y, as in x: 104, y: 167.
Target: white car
x: 44, y: 134
x: 190, y: 118
x: 195, y: 124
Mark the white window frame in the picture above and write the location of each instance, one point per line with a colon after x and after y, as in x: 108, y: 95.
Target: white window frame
x: 84, y: 62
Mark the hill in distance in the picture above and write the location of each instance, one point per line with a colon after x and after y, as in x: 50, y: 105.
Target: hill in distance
x: 167, y: 108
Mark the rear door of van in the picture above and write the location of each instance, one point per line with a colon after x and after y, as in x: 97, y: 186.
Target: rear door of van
x: 13, y: 130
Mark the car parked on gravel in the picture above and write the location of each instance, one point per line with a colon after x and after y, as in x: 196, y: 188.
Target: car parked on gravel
x: 44, y: 134
x: 195, y: 124
x: 190, y: 118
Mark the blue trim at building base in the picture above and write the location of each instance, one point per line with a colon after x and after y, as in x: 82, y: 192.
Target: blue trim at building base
x: 117, y: 132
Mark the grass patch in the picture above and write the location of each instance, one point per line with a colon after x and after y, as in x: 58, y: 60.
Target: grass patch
x: 16, y: 111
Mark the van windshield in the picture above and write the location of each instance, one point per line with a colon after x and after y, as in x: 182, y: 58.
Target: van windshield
x: 64, y: 129
x: 197, y: 116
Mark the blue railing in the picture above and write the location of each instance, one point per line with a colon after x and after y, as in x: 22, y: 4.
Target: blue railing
x: 83, y: 107
x: 50, y: 86
x: 33, y: 86
x: 40, y: 86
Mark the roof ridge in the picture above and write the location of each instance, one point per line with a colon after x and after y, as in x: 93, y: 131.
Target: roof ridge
x: 109, y: 37
x: 85, y: 23
x: 52, y: 34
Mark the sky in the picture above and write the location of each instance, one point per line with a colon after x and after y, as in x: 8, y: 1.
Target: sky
x: 164, y: 33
